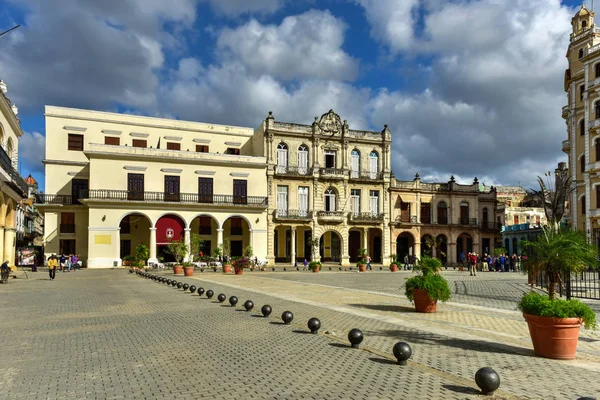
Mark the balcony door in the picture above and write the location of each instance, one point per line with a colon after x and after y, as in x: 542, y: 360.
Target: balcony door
x: 282, y: 200
x: 135, y: 186
x: 355, y: 201
x: 373, y: 165
x: 171, y: 188
x: 303, y: 159
x: 374, y: 202
x: 354, y: 164
x: 79, y: 189
x: 240, y: 191
x: 464, y: 212
x: 205, y: 190
x: 303, y: 201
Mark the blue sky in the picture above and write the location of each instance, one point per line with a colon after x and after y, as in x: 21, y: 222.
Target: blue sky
x: 468, y: 87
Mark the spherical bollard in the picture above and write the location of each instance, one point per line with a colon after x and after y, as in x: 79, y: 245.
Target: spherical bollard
x: 179, y: 285
x: 266, y: 310
x: 221, y: 297
x: 314, y: 324
x: 287, y: 317
x: 193, y: 289
x: 233, y: 300
x: 210, y: 294
x: 273, y: 268
x: 355, y: 336
x: 131, y: 271
x: 284, y: 268
x: 185, y: 287
x: 200, y: 291
x: 488, y: 380
x: 402, y: 352
x: 249, y: 305
x: 173, y: 283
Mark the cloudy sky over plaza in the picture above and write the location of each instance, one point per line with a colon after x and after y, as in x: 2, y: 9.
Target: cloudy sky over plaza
x: 470, y: 88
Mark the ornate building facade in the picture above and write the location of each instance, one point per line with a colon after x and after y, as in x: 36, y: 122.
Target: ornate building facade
x: 442, y: 220
x: 582, y: 116
x: 114, y: 181
x: 330, y: 182
x: 13, y: 188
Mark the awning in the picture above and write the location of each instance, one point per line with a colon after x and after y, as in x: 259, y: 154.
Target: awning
x: 408, y: 198
x: 426, y: 198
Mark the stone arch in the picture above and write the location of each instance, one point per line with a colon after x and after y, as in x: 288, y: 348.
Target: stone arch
x: 237, y: 231
x: 170, y: 213
x: 442, y: 248
x: 236, y: 216
x: 134, y: 229
x: 208, y: 231
x: 427, y: 245
x: 331, y: 243
x: 405, y: 245
x: 464, y: 245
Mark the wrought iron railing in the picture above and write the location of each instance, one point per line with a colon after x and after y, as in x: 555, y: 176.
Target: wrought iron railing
x: 467, y: 221
x: 56, y: 199
x: 293, y: 214
x: 330, y: 214
x: 16, y: 180
x: 582, y: 285
x: 293, y: 171
x: 366, y: 175
x: 491, y: 225
x: 366, y: 217
x: 337, y: 172
x: 406, y: 219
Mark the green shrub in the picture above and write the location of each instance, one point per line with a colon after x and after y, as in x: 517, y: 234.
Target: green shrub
x: 436, y: 286
x: 314, y: 265
x: 534, y: 303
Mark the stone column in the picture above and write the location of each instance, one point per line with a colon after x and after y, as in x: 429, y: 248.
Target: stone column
x: 2, y: 244
x: 385, y: 250
x: 365, y: 242
x: 293, y: 246
x: 188, y: 241
x: 345, y: 256
x: 9, y: 245
x: 219, y: 237
x: 418, y: 249
x: 451, y: 253
x: 152, y: 258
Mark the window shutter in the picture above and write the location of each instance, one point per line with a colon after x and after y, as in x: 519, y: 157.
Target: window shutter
x: 303, y: 162
x: 373, y: 167
x: 355, y: 165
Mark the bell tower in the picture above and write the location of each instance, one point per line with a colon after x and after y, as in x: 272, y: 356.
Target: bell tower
x: 582, y: 21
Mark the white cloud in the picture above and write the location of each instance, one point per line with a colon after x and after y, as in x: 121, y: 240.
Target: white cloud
x: 302, y: 46
x: 237, y: 7
x: 32, y: 147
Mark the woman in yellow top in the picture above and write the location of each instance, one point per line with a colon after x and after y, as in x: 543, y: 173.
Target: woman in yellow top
x: 52, y: 264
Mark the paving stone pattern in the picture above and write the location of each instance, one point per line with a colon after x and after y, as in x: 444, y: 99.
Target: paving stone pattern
x: 113, y: 335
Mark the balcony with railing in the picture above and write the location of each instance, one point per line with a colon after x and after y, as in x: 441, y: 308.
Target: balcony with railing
x: 332, y: 173
x: 331, y: 216
x: 467, y: 221
x: 293, y: 171
x: 366, y: 218
x: 406, y: 219
x: 293, y: 215
x: 16, y: 181
x: 56, y: 199
x: 366, y: 175
x: 491, y: 226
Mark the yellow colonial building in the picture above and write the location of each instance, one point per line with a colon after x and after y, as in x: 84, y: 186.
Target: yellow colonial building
x: 116, y: 180
x: 326, y: 182
x: 442, y: 220
x: 582, y: 116
x: 13, y: 188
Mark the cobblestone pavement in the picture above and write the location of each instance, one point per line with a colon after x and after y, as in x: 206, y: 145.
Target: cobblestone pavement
x: 109, y: 334
x: 113, y: 335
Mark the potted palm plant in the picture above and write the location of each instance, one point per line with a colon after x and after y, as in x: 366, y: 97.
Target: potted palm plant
x: 315, y: 266
x: 394, y: 263
x: 178, y: 249
x: 362, y: 263
x: 427, y: 288
x: 225, y: 251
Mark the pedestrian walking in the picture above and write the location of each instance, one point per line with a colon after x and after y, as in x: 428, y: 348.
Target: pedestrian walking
x: 472, y: 264
x: 52, y: 265
x: 305, y: 265
x: 368, y: 262
x: 406, y: 262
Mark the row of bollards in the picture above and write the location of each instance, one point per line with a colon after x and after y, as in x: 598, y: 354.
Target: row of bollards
x: 486, y: 378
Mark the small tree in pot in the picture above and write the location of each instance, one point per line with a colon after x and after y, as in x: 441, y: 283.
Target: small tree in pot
x: 362, y: 262
x: 178, y: 249
x: 429, y: 287
x: 315, y: 266
x: 225, y: 249
x: 394, y: 263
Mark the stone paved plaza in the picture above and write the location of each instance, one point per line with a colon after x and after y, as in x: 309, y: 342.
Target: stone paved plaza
x: 113, y: 335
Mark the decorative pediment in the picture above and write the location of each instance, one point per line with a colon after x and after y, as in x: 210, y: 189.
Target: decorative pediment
x: 330, y: 123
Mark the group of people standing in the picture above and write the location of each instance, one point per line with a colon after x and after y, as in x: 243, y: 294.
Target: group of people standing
x: 487, y: 262
x: 66, y: 263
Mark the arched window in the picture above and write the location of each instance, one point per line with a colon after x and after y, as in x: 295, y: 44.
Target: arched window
x: 442, y: 213
x: 330, y: 203
x: 355, y: 163
x: 583, y: 204
x: 373, y: 165
x: 597, y: 149
x: 582, y: 127
x: 464, y: 213
x: 582, y: 163
x: 581, y: 92
x: 303, y: 159
x: 597, y: 69
x: 597, y: 109
x: 485, y: 217
x: 583, y: 25
x: 580, y: 53
x: 282, y: 158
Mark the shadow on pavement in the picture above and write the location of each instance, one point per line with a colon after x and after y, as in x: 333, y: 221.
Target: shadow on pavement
x: 462, y: 389
x: 277, y: 323
x: 383, y: 307
x: 419, y: 337
x: 383, y: 361
x: 299, y: 331
x: 340, y: 345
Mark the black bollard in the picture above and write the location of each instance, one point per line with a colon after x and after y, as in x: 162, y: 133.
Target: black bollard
x: 179, y: 285
x: 287, y: 317
x: 185, y: 287
x: 200, y: 291
x: 314, y: 325
x: 193, y: 289
x: 210, y: 294
x: 355, y: 336
x: 173, y: 283
x: 249, y: 305
x: 488, y: 380
x: 266, y: 310
x: 233, y: 300
x: 402, y: 352
x: 221, y: 297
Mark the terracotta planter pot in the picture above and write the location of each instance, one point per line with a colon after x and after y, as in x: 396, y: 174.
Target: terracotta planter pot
x: 394, y: 267
x: 316, y: 269
x: 239, y: 271
x: 423, y: 303
x: 362, y: 267
x: 177, y: 269
x: 226, y: 268
x: 188, y: 271
x: 554, y: 337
